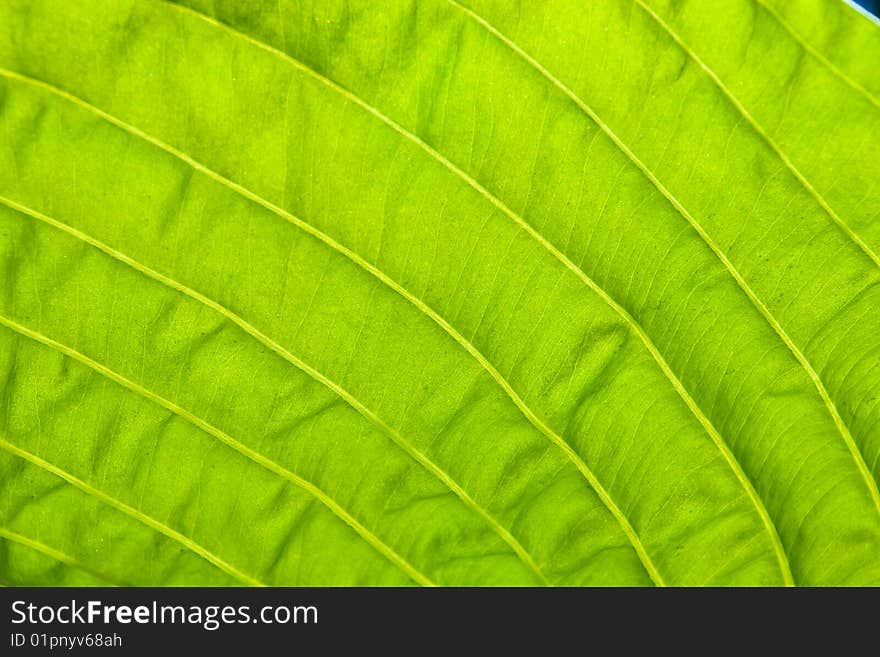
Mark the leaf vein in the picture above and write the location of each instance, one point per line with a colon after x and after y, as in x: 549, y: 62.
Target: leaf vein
x: 55, y: 554
x: 324, y: 380
x: 354, y: 257
x: 765, y: 311
x: 137, y: 514
x: 223, y: 437
x: 806, y: 45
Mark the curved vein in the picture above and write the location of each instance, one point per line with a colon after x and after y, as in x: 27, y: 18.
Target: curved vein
x: 57, y: 555
x: 321, y: 378
x: 223, y: 437
x: 391, y: 283
x: 720, y: 443
x: 771, y: 320
x: 826, y: 207
x: 858, y: 457
x: 679, y: 387
x: 806, y: 45
x: 138, y: 515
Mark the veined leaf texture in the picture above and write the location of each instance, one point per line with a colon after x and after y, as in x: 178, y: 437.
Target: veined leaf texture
x: 439, y: 292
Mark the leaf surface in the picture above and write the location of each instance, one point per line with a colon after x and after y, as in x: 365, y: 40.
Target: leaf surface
x: 484, y: 293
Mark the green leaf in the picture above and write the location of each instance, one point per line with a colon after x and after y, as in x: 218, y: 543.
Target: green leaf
x: 439, y: 292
